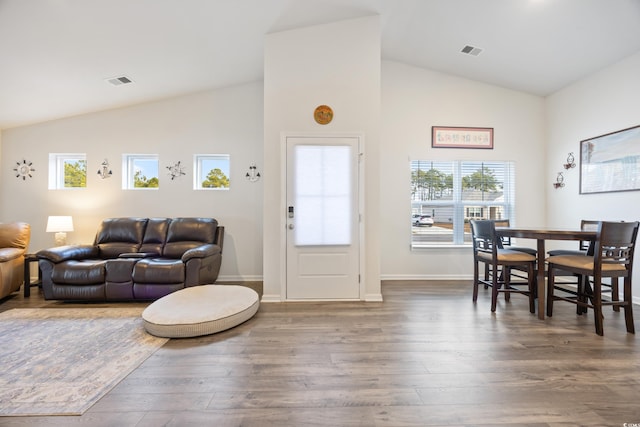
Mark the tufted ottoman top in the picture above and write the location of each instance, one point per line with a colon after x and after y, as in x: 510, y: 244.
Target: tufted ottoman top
x: 200, y: 310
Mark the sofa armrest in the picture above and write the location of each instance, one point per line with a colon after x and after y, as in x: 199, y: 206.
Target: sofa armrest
x: 8, y: 254
x: 64, y: 253
x: 202, y: 251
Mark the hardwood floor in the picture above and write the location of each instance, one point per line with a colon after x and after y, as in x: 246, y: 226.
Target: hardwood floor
x: 426, y: 356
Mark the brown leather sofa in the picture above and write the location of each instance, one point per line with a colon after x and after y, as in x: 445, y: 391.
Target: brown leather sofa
x: 14, y: 240
x: 134, y: 259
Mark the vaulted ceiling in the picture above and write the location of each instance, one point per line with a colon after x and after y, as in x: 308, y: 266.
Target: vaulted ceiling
x: 56, y: 55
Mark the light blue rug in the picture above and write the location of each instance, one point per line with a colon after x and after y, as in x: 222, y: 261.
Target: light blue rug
x: 59, y: 361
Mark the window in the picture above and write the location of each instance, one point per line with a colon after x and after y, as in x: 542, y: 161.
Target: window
x: 140, y: 172
x: 211, y: 171
x: 67, y: 171
x: 452, y: 193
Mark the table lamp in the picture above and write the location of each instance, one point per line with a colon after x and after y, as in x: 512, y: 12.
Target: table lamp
x: 60, y: 225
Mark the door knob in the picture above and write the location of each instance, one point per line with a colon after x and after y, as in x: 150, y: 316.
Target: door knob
x: 290, y: 226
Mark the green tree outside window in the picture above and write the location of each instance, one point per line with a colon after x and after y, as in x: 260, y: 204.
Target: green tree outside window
x: 75, y: 174
x: 216, y: 179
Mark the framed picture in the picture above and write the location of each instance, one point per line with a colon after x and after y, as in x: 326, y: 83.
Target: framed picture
x: 610, y: 162
x: 461, y: 137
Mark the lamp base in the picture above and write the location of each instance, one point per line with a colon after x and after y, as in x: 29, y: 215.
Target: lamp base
x: 61, y: 239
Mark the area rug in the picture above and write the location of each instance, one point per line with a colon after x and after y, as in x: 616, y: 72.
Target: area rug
x: 59, y: 361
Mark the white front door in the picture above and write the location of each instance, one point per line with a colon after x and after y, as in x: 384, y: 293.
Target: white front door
x: 322, y: 209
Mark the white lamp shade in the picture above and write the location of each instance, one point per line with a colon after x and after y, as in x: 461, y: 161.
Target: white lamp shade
x: 57, y: 224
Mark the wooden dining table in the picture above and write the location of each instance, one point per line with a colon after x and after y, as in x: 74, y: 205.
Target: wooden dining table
x: 542, y: 235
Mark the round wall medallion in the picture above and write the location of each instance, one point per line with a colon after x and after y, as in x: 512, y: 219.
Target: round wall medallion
x: 323, y: 114
x: 24, y: 170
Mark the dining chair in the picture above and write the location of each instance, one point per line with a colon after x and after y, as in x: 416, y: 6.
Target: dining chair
x: 487, y: 249
x: 612, y: 258
x: 507, y: 244
x: 585, y: 247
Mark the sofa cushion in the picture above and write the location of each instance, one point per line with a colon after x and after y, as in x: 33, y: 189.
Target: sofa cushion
x: 155, y: 235
x: 119, y: 270
x: 120, y: 235
x: 159, y: 271
x: 79, y: 272
x: 188, y: 233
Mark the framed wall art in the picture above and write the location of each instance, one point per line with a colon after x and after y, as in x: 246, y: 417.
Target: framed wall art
x: 461, y: 137
x: 610, y: 162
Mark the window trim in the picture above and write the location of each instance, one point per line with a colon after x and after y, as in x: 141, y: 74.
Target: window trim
x: 197, y: 171
x: 56, y: 169
x: 128, y: 168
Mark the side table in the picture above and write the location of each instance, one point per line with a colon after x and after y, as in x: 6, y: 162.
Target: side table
x: 28, y: 259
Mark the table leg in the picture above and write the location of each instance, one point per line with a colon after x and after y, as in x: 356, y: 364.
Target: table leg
x: 541, y: 279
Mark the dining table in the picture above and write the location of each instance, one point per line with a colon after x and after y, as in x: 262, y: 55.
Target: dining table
x: 541, y: 235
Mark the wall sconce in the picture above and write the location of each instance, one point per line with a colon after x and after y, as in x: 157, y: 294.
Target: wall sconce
x: 570, y: 162
x: 104, y: 170
x: 60, y: 225
x: 253, y: 175
x: 559, y: 181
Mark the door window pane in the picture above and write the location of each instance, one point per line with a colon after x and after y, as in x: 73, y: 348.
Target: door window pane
x: 322, y: 195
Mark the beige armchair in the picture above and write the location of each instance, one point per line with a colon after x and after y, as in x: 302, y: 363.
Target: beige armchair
x: 14, y: 240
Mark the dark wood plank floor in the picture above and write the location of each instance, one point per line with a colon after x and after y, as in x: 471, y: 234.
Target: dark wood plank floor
x: 426, y: 356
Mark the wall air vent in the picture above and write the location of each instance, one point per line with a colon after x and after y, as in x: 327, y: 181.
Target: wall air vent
x: 471, y: 50
x: 119, y: 81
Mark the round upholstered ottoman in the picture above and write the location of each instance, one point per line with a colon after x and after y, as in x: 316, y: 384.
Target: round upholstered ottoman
x: 200, y: 310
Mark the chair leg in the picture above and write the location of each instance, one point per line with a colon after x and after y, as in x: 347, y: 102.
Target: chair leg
x: 628, y: 306
x: 597, y: 306
x: 506, y: 273
x: 532, y: 286
x: 615, y: 296
x: 475, y: 280
x: 583, y: 291
x: 550, y: 286
x: 494, y: 292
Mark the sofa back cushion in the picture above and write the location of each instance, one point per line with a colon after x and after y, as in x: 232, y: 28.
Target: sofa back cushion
x: 155, y: 235
x: 120, y: 235
x: 188, y: 233
x: 15, y: 235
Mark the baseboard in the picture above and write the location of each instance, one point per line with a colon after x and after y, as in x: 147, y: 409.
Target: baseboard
x: 235, y: 278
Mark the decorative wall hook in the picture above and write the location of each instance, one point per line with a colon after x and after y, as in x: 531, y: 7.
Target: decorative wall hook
x: 176, y: 170
x: 570, y: 162
x: 559, y: 181
x: 253, y: 175
x: 104, y: 170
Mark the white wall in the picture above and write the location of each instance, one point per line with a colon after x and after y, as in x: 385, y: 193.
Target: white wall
x: 601, y: 103
x: 413, y: 100
x: 225, y: 121
x: 338, y: 65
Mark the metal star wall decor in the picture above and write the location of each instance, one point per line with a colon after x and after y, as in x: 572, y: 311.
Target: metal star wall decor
x: 176, y: 170
x: 24, y: 170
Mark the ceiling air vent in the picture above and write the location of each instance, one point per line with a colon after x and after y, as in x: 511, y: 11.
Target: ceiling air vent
x: 119, y: 81
x: 471, y: 50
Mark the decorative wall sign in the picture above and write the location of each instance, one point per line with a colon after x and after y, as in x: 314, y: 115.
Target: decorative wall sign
x: 176, y: 170
x: 461, y: 137
x: 610, y: 162
x: 323, y: 114
x: 24, y: 169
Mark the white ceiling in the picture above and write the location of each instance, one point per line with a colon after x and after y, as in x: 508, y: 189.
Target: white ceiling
x: 56, y: 54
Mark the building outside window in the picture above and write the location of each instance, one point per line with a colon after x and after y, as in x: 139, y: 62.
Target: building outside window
x: 445, y: 195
